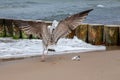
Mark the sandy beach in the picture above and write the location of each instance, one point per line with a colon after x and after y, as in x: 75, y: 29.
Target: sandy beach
x: 100, y: 65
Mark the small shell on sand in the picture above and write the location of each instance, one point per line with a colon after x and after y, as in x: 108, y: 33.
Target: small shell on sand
x: 76, y: 58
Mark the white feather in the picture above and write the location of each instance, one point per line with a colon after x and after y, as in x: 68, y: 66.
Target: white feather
x: 54, y: 25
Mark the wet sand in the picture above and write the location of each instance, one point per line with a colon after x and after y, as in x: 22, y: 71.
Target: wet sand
x: 99, y: 65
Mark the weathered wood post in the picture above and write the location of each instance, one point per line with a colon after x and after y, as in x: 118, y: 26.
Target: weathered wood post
x: 8, y: 27
x: 82, y: 32
x: 119, y: 35
x: 17, y: 32
x: 95, y: 34
x: 71, y: 35
x: 111, y: 35
x: 2, y: 30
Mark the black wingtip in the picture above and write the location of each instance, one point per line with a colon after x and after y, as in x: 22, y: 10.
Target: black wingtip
x: 90, y: 10
x: 87, y: 11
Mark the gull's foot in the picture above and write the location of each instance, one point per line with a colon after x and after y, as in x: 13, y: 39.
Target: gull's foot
x: 43, y: 59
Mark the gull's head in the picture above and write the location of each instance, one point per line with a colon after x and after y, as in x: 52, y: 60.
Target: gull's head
x: 54, y: 24
x: 49, y: 27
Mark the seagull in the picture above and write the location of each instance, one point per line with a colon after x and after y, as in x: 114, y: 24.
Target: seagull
x: 51, y: 34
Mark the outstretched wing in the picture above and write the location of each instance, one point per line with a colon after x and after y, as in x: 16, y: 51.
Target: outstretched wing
x: 29, y: 27
x: 39, y: 29
x: 68, y: 24
x: 34, y: 29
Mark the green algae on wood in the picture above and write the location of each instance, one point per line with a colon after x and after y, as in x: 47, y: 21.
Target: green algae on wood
x: 19, y: 34
x: 24, y: 35
x: 2, y: 29
x: 8, y: 27
x: 82, y: 32
x: 111, y: 35
x: 119, y: 35
x: 16, y: 32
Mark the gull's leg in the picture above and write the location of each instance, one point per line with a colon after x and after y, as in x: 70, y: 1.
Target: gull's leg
x: 43, y: 55
x: 45, y: 51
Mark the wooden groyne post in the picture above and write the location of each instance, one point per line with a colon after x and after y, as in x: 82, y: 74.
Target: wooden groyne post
x: 82, y: 32
x: 2, y: 32
x: 112, y: 35
x: 8, y: 27
x: 119, y: 35
x: 71, y: 35
x: 96, y: 34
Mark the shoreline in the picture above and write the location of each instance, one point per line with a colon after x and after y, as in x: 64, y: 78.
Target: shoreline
x: 98, y: 65
x: 108, y: 48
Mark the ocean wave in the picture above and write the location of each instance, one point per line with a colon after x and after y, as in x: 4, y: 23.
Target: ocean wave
x: 26, y: 48
x: 100, y: 5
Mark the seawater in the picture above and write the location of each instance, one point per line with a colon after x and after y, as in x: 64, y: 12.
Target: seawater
x: 105, y: 11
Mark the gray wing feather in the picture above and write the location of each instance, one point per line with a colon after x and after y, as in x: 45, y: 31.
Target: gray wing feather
x: 39, y: 29
x: 68, y: 24
x: 28, y: 29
